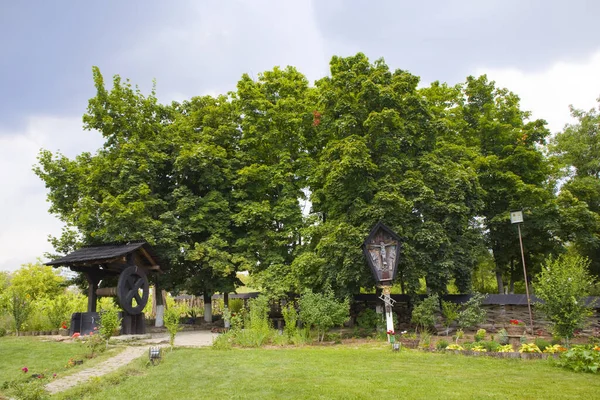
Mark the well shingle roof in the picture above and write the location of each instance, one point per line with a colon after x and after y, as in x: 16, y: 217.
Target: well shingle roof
x: 100, y: 253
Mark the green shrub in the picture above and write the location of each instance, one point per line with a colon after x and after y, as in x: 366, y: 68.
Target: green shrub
x: 542, y: 343
x: 37, y: 319
x: 480, y: 335
x: 581, y: 359
x: 333, y: 337
x: 450, y: 314
x: 322, y: 311
x: 236, y: 305
x: 252, y: 337
x: 171, y: 319
x: 368, y: 319
x: 459, y: 335
x: 472, y: 314
x: 563, y: 285
x: 423, y: 314
x: 490, y: 345
x: 424, y: 340
x: 223, y: 341
x: 503, y: 338
x: 290, y: 319
x: 257, y: 327
x: 93, y: 342
x: 441, y: 344
x: 19, y: 306
x: 57, y: 309
x: 258, y: 315
x: 110, y: 323
x: 2, y: 332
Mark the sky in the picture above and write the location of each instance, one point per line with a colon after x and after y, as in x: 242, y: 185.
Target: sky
x: 546, y: 51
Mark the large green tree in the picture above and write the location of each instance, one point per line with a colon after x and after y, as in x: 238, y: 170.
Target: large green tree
x: 513, y: 173
x: 380, y: 155
x: 275, y: 126
x: 577, y: 149
x: 163, y: 175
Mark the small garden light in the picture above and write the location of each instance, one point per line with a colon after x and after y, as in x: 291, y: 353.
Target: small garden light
x: 154, y: 355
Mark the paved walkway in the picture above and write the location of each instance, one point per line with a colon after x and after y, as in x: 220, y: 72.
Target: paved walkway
x: 184, y: 339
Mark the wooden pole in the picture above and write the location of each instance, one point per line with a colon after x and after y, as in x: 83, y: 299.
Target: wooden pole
x: 525, y: 276
x: 389, y: 319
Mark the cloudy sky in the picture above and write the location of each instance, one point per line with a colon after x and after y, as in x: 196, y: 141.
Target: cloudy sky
x: 547, y: 51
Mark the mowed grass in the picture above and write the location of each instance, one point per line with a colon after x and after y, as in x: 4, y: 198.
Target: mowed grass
x: 341, y: 372
x: 41, y: 356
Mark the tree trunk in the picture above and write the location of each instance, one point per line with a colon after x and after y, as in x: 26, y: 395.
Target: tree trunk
x: 207, y: 307
x: 160, y: 307
x: 499, y: 281
x: 226, y: 300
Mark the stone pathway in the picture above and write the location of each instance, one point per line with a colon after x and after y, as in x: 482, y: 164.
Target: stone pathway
x: 186, y: 339
x: 124, y: 358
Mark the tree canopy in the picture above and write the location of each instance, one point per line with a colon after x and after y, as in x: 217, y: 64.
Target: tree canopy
x: 220, y: 184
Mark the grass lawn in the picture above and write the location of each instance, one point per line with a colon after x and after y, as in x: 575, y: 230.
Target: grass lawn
x: 340, y: 372
x: 41, y: 356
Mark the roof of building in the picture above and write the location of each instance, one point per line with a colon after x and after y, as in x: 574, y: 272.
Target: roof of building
x: 103, y: 253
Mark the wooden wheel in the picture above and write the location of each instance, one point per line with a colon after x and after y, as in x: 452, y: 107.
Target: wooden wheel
x: 132, y: 281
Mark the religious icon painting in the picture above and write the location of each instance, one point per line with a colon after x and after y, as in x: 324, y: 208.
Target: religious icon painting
x: 381, y: 248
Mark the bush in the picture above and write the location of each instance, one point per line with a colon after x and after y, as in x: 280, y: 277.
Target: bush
x: 581, y: 359
x: 368, y: 319
x: 542, y: 343
x: 441, y: 344
x: 2, y: 332
x: 171, y: 320
x: 236, y: 305
x: 37, y: 319
x: 19, y: 306
x: 423, y: 314
x: 503, y: 338
x: 57, y: 309
x: 562, y: 285
x: 93, y: 342
x: 490, y: 346
x: 109, y: 324
x: 290, y: 318
x: 472, y: 314
x: 480, y: 335
x: 223, y: 341
x: 450, y: 314
x: 322, y: 311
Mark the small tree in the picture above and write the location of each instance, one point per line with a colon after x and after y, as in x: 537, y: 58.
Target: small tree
x: 171, y: 319
x: 323, y: 311
x: 450, y: 314
x: 58, y: 309
x: 290, y: 317
x: 423, y: 314
x: 18, y: 305
x: 472, y: 314
x: 109, y: 323
x: 562, y: 285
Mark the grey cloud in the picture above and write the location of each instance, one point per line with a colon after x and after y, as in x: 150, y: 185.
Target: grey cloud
x: 445, y: 40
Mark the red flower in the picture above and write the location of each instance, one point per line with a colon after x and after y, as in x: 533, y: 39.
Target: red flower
x: 76, y: 335
x: 64, y: 325
x: 390, y: 332
x: 25, y: 369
